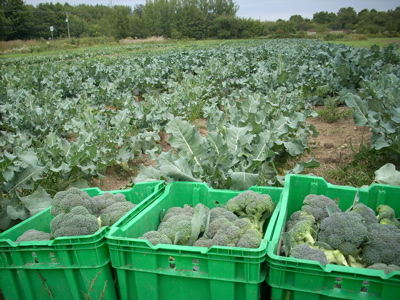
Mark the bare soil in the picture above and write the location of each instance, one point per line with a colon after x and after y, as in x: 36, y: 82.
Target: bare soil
x: 333, y: 147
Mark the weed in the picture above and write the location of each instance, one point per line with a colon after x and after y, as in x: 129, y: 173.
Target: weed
x: 331, y: 112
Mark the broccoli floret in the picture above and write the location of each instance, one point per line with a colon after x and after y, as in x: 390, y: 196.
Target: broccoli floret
x: 250, y: 239
x: 231, y: 231
x: 178, y: 228
x: 301, y: 233
x: 34, y: 235
x: 316, y: 205
x: 299, y: 216
x: 114, y: 212
x: 344, y: 231
x: 305, y: 251
x: 384, y: 267
x: 76, y: 222
x: 386, y: 215
x: 107, y: 199
x: 383, y: 245
x: 215, y: 226
x: 253, y: 205
x: 176, y: 210
x: 64, y: 201
x: 222, y: 212
x: 156, y: 238
x: 366, y: 212
x: 203, y: 242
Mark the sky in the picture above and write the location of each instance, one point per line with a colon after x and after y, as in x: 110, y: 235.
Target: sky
x: 266, y: 10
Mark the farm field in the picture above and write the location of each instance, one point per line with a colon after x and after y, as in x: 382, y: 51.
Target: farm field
x: 230, y: 113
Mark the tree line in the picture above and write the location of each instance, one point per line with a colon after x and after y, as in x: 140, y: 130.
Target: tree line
x: 195, y: 19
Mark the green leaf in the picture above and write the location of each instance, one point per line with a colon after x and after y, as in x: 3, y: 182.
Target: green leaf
x: 387, y: 174
x: 177, y: 169
x: 149, y: 174
x: 18, y: 213
x: 37, y: 201
x: 242, y: 180
x: 360, y: 107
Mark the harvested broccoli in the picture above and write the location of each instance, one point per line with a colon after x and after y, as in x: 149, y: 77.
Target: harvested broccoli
x: 178, y: 228
x: 107, y: 199
x: 384, y: 267
x: 316, y: 205
x: 173, y: 211
x: 76, y: 222
x: 215, y: 226
x: 305, y: 251
x: 386, y: 215
x: 114, y: 212
x: 301, y: 233
x: 250, y: 239
x: 344, y: 231
x: 222, y: 212
x: 34, y: 235
x: 366, y: 212
x: 383, y: 245
x: 156, y: 238
x: 252, y: 205
x: 203, y: 242
x: 64, y: 201
x: 299, y: 216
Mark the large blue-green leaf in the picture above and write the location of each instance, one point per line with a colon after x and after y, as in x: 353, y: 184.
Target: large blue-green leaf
x: 36, y: 201
x: 242, y: 180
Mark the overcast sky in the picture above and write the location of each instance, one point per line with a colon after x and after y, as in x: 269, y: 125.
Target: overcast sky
x: 267, y: 10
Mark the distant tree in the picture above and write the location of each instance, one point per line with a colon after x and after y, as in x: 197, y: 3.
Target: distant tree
x: 300, y: 23
x: 18, y: 19
x: 324, y: 17
x: 346, y: 18
x: 190, y: 21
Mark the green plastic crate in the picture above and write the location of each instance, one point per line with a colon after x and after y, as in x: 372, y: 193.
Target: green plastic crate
x: 291, y: 278
x: 66, y: 267
x: 147, y: 272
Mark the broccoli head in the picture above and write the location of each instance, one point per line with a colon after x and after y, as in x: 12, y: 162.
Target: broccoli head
x: 64, y: 201
x: 178, y: 228
x: 34, y: 235
x: 366, y: 212
x: 384, y: 267
x: 305, y: 251
x: 344, y: 231
x: 222, y: 212
x: 316, y: 205
x: 250, y: 239
x: 253, y: 205
x: 107, y: 199
x: 215, y: 226
x: 114, y: 212
x: 156, y: 238
x: 176, y: 210
x: 299, y: 216
x: 383, y: 245
x: 203, y: 242
x: 78, y: 221
x: 386, y: 215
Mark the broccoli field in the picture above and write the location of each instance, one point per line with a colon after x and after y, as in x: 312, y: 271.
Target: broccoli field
x: 66, y: 118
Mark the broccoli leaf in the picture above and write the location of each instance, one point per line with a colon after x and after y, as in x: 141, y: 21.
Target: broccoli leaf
x: 387, y: 174
x: 37, y: 201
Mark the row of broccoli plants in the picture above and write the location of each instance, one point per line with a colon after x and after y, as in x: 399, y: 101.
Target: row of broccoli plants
x: 107, y: 110
x: 358, y: 237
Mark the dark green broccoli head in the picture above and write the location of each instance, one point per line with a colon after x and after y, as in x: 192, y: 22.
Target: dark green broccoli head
x: 344, y: 231
x: 253, y: 205
x: 299, y: 216
x: 384, y: 267
x: 178, y: 228
x: 366, y: 212
x: 176, y: 210
x: 156, y: 238
x: 383, y: 245
x: 222, y: 212
x: 76, y: 222
x: 115, y: 211
x: 250, y: 239
x: 64, y: 201
x: 316, y: 205
x: 203, y: 242
x: 305, y: 251
x: 215, y: 226
x: 34, y: 235
x: 107, y: 199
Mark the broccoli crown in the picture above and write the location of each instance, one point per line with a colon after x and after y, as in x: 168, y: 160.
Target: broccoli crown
x: 299, y: 216
x: 222, y: 212
x: 250, y: 239
x: 386, y: 215
x: 215, y: 226
x: 156, y: 237
x: 66, y: 200
x: 178, y: 228
x: 344, y: 231
x: 383, y: 245
x: 115, y: 211
x: 176, y: 210
x: 34, y: 235
x: 107, y: 199
x: 384, y: 267
x: 304, y: 251
x: 301, y: 233
x: 316, y: 205
x: 253, y: 205
x: 76, y: 222
x: 204, y: 242
x: 366, y: 212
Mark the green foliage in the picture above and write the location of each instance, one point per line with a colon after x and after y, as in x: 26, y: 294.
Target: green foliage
x: 331, y: 113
